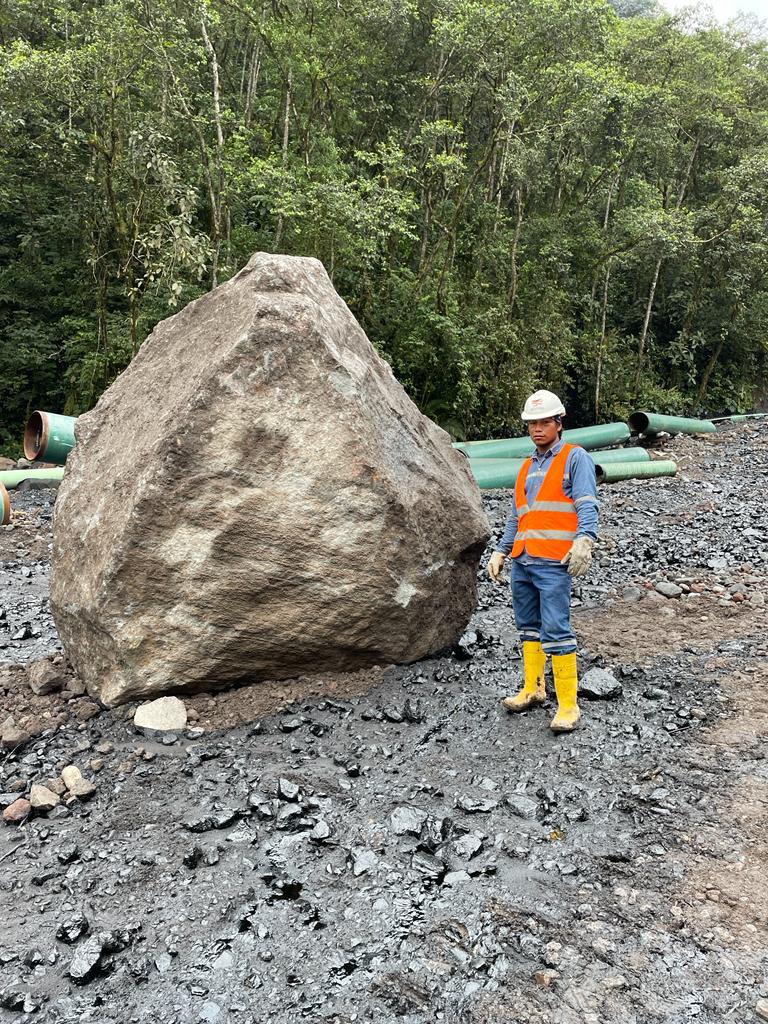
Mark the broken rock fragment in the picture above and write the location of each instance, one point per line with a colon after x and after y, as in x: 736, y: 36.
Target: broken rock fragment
x: 42, y: 799
x: 288, y: 488
x: 46, y: 676
x: 600, y: 684
x: 76, y: 785
x: 166, y: 714
x: 17, y: 812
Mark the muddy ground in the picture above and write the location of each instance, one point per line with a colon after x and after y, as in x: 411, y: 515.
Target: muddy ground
x: 393, y: 847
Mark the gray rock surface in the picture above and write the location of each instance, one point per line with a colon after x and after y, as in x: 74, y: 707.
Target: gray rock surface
x: 600, y: 684
x: 256, y: 497
x: 668, y: 589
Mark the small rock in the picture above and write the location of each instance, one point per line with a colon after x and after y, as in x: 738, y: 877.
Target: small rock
x: 71, y: 775
x: 166, y: 714
x: 42, y: 799
x: 363, y: 861
x: 75, y: 687
x: 523, y: 806
x: 45, y: 677
x: 68, y: 852
x: 320, y: 832
x: 668, y: 589
x: 76, y: 785
x: 17, y: 812
x: 288, y: 790
x: 546, y: 978
x: 85, y: 962
x: 407, y: 821
x: 476, y: 806
x: 599, y: 684
x: 86, y: 710
x: 456, y: 878
x: 11, y: 736
x: 761, y: 1009
x: 73, y: 928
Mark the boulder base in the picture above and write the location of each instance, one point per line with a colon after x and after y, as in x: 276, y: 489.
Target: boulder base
x: 256, y: 497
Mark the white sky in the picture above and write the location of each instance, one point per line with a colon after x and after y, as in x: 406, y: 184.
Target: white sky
x: 725, y: 9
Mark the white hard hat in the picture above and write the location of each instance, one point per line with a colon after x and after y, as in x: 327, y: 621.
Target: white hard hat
x: 541, y: 405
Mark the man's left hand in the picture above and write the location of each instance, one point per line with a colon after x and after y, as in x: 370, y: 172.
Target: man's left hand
x: 579, y: 558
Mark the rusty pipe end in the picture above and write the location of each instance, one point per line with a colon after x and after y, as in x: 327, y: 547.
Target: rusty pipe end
x: 36, y: 435
x: 5, y: 506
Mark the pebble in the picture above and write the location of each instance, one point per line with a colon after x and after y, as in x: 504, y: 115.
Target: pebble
x: 76, y: 785
x: 45, y: 677
x: 11, y: 736
x: 17, y: 812
x: 43, y: 799
x: 668, y: 589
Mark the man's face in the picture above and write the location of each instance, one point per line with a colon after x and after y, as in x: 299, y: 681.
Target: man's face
x: 543, y: 433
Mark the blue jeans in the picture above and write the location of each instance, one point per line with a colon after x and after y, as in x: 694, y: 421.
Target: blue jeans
x: 541, y: 598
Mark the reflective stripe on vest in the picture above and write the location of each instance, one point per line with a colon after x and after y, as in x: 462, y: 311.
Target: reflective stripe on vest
x: 547, y: 527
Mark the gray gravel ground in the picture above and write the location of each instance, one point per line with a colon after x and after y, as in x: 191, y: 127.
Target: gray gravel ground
x: 410, y: 853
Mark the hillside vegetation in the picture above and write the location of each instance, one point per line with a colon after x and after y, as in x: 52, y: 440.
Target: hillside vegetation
x: 506, y: 192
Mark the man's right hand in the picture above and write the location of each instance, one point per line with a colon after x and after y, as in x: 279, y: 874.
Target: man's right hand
x: 495, y: 566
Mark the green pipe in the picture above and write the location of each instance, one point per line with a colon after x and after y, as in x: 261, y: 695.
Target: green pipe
x: 621, y: 455
x: 13, y: 477
x: 649, y: 423
x: 738, y: 417
x: 490, y: 474
x: 613, y: 472
x: 5, y: 507
x: 520, y: 447
x: 49, y: 437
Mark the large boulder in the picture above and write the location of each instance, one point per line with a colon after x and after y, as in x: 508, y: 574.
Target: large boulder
x: 256, y: 497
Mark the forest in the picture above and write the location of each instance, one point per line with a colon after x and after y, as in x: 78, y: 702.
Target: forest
x: 507, y: 193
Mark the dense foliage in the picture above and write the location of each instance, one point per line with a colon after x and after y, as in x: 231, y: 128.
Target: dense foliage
x: 508, y: 193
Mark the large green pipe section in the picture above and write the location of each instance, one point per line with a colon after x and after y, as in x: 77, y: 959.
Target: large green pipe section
x: 521, y: 447
x: 493, y: 473
x: 13, y: 477
x: 649, y: 423
x: 612, y: 472
x: 49, y: 437
x: 5, y: 507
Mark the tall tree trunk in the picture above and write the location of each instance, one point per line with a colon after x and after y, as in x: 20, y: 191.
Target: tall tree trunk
x: 286, y: 138
x: 512, y: 293
x: 219, y: 160
x: 646, y: 323
x: 601, y: 346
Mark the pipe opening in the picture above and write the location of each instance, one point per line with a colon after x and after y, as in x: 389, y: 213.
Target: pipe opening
x: 638, y: 421
x: 36, y: 435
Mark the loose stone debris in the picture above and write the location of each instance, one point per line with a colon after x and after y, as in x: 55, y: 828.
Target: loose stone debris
x: 337, y: 857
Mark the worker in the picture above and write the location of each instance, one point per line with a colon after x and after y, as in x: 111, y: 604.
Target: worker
x: 550, y: 535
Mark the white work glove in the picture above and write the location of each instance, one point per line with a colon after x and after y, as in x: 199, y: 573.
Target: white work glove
x: 495, y: 566
x: 579, y: 558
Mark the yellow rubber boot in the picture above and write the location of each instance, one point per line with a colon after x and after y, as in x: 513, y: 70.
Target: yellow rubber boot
x: 566, y: 687
x: 533, y: 691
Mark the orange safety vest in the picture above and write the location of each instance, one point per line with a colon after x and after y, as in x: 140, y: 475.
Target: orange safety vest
x: 547, y: 529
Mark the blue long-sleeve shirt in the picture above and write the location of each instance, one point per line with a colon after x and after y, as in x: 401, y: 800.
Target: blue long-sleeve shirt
x: 579, y: 484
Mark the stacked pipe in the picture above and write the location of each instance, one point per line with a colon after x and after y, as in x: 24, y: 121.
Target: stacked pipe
x: 49, y: 437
